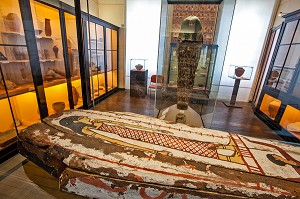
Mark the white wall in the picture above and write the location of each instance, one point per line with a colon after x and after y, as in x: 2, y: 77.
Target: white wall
x: 112, y: 11
x: 248, y: 31
x: 142, y: 33
x: 286, y: 6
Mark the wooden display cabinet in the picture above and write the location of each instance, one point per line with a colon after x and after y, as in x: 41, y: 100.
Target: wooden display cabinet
x: 282, y: 82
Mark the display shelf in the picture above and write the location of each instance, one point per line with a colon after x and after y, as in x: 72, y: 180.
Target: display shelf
x: 47, y: 37
x: 290, y: 121
x: 14, y: 61
x: 49, y: 60
x: 54, y: 82
x: 21, y: 89
x: 12, y: 33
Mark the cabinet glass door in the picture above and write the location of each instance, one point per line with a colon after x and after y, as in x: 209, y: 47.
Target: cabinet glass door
x: 286, y: 59
x: 71, y: 31
x: 112, y: 58
x: 18, y: 104
x: 96, y: 59
x: 48, y: 36
x: 295, y: 60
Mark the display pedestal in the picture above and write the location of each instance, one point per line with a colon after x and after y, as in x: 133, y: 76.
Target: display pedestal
x: 192, y: 117
x: 138, y: 83
x: 237, y: 73
x: 234, y: 95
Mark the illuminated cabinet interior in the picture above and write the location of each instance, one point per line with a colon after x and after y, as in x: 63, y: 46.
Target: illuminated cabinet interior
x: 279, y: 102
x: 43, y: 76
x: 18, y: 104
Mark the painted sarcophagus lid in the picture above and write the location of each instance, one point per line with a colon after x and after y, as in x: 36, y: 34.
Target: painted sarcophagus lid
x: 126, y: 155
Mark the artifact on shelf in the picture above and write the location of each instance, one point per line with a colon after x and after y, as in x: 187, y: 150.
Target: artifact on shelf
x: 18, y: 122
x: 46, y: 54
x: 139, y: 66
x: 71, y: 58
x: 48, y: 30
x: 294, y: 127
x: 12, y: 22
x: 38, y: 32
x: 61, y: 73
x: 19, y: 54
x: 239, y: 71
x: 23, y: 73
x: 274, y: 107
x: 75, y: 95
x: 55, y: 50
x: 189, y: 50
x: 273, y: 78
x: 58, y: 107
x: 9, y: 84
x: 2, y: 57
x: 50, y: 75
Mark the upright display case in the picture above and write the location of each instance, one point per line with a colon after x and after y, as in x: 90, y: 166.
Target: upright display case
x: 40, y: 72
x: 18, y: 103
x: 279, y: 103
x: 204, y: 71
x: 190, y: 61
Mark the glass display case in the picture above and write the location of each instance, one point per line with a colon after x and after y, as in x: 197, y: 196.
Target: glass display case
x: 190, y: 60
x: 205, y: 68
x: 112, y: 58
x: 96, y: 59
x: 281, y: 88
x: 18, y: 104
x: 40, y: 73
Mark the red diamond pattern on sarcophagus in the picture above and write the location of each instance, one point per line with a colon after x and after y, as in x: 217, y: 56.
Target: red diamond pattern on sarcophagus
x: 169, y: 141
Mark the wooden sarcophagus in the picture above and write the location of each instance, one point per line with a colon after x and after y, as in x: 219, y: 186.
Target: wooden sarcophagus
x: 125, y: 155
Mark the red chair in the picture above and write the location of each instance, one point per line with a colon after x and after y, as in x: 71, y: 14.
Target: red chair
x: 155, y: 83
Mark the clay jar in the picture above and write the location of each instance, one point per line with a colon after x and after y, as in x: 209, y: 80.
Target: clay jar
x: 75, y: 95
x: 48, y: 30
x: 58, y: 107
x: 274, y: 107
x: 55, y: 50
x: 13, y: 22
x: 239, y: 71
x: 139, y: 66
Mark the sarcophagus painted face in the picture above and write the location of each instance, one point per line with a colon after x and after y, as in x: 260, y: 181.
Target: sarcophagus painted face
x: 190, y: 42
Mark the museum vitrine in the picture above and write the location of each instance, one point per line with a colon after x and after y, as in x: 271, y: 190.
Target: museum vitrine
x: 40, y: 72
x: 191, y: 55
x: 18, y: 104
x: 280, y: 97
x: 96, y: 59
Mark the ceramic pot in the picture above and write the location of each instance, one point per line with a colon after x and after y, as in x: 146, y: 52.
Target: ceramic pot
x: 239, y: 71
x: 17, y: 53
x: 48, y: 30
x: 75, y: 95
x: 294, y: 127
x: 274, y: 107
x: 46, y: 54
x: 71, y: 61
x: 58, y: 106
x: 139, y: 66
x: 13, y: 22
x: 55, y: 50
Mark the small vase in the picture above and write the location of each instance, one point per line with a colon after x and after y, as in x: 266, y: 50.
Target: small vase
x: 13, y: 22
x: 239, y: 71
x: 55, y: 50
x: 75, y: 95
x: 48, y: 30
x: 274, y: 107
x: 139, y: 66
x: 58, y: 106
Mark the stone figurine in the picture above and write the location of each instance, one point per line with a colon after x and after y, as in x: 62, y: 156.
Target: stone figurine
x: 48, y: 30
x: 189, y: 50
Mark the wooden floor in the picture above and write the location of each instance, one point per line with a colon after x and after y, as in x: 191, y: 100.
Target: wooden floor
x: 236, y: 120
x: 20, y: 178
